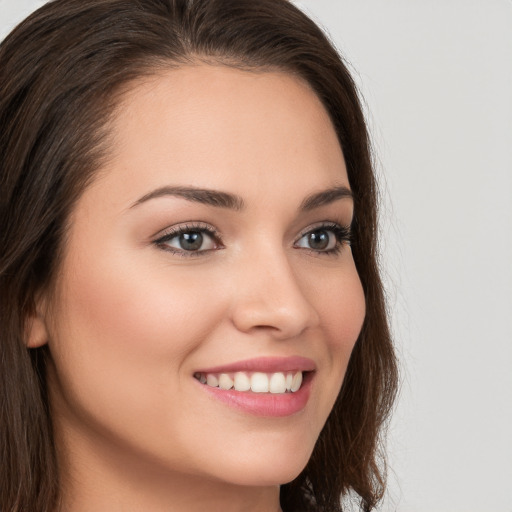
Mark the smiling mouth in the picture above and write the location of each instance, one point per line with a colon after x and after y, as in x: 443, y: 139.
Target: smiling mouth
x: 254, y: 382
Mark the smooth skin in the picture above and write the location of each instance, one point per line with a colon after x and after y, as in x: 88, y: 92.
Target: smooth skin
x: 130, y: 320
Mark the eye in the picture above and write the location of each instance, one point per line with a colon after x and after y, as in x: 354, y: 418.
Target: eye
x: 326, y: 238
x: 319, y: 240
x: 189, y: 239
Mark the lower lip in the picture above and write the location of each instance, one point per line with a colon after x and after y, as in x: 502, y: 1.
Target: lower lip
x: 264, y: 404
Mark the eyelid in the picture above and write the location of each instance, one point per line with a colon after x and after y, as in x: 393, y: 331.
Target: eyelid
x: 328, y: 226
x: 341, y: 232
x: 173, y: 231
x: 184, y: 227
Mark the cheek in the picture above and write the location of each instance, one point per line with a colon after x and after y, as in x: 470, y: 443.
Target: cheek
x: 344, y: 315
x: 124, y: 330
x: 139, y: 308
x: 340, y: 302
x: 341, y: 305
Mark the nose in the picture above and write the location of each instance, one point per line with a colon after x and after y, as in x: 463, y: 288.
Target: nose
x: 268, y: 296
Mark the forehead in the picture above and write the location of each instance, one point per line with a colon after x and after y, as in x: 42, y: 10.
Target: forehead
x: 221, y: 127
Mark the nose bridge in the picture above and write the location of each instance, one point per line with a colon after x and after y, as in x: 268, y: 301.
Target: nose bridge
x: 269, y: 295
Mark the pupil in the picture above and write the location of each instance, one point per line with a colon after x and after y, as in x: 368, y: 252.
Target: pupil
x: 191, y: 241
x: 319, y: 240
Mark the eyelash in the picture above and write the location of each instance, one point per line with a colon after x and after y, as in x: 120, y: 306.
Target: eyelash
x: 341, y: 233
x: 188, y: 228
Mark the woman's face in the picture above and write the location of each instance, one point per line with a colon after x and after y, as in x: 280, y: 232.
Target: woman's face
x: 212, y: 246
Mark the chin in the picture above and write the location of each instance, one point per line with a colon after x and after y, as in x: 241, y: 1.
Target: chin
x: 264, y: 468
x: 274, y: 474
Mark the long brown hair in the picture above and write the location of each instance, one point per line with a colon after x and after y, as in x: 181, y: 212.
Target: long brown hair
x: 61, y: 73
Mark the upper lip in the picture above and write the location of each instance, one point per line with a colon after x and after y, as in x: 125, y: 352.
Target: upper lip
x: 265, y: 365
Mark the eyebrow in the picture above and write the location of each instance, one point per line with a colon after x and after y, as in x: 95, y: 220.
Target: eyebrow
x: 230, y: 201
x: 197, y: 195
x: 326, y: 197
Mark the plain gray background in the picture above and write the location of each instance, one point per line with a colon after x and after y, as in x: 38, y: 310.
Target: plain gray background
x: 437, y: 82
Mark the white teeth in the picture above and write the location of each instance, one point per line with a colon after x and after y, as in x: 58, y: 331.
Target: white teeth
x: 277, y: 383
x: 242, y: 382
x: 225, y: 381
x: 289, y: 379
x: 296, y: 382
x: 259, y: 383
x: 212, y: 380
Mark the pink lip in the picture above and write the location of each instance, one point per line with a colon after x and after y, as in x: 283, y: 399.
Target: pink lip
x: 264, y: 404
x: 265, y: 365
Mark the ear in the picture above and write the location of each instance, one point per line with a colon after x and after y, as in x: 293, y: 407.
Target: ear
x: 36, y: 331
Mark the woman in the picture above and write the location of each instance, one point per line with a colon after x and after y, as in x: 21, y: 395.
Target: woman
x: 191, y: 310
